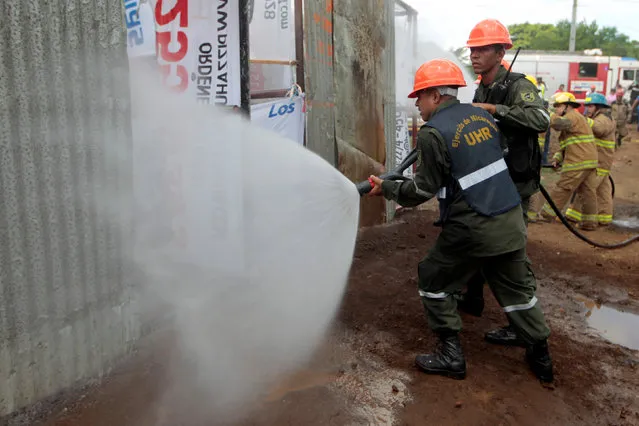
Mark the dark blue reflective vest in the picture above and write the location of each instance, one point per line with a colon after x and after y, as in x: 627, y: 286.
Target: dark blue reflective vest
x: 478, y: 168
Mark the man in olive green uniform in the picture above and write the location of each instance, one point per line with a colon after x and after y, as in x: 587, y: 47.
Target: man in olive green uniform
x: 460, y: 160
x: 515, y: 103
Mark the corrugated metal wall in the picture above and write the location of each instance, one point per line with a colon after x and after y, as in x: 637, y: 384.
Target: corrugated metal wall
x: 349, y: 62
x: 365, y: 92
x: 65, y: 307
x: 390, y: 102
x: 318, y: 70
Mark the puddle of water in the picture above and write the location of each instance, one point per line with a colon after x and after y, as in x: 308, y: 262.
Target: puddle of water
x: 627, y: 223
x: 301, y: 380
x: 614, y: 325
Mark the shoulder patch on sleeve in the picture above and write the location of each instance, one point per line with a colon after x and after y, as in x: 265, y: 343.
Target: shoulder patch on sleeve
x: 528, y: 96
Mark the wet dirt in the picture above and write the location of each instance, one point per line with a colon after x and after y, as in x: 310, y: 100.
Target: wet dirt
x: 364, y: 373
x: 299, y: 381
x: 627, y: 223
x: 626, y: 215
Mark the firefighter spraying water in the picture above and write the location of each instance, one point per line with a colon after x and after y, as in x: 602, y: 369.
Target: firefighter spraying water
x: 460, y: 162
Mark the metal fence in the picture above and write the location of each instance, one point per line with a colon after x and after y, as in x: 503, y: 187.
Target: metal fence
x: 318, y: 69
x: 350, y: 87
x: 65, y: 307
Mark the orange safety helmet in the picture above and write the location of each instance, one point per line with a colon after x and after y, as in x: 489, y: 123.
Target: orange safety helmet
x: 504, y: 63
x: 487, y: 32
x: 437, y: 73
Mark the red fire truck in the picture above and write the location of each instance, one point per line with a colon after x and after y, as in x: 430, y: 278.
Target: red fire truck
x: 577, y: 71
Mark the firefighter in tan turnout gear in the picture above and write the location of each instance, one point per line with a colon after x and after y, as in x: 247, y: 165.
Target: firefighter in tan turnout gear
x: 578, y: 160
x: 603, y: 129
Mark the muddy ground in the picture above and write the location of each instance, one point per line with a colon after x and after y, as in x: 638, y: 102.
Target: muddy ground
x: 364, y: 373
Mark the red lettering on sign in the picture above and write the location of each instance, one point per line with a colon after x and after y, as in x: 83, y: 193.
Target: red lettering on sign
x: 181, y: 8
x: 181, y: 73
x: 162, y: 40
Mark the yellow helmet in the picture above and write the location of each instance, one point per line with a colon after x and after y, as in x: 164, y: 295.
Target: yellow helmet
x: 566, y: 98
x: 532, y: 79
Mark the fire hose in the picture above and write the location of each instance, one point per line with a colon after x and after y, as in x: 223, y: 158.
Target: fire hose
x: 396, y: 174
x: 366, y: 186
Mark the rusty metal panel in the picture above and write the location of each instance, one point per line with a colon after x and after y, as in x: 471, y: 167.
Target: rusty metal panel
x: 318, y: 67
x: 361, y: 56
x: 388, y: 71
x: 66, y: 310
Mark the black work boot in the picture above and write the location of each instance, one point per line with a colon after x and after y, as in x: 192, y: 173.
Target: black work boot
x: 505, y: 336
x: 540, y: 362
x: 470, y: 304
x: 447, y: 360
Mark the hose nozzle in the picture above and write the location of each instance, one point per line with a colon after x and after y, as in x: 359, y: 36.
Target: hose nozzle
x: 367, y: 186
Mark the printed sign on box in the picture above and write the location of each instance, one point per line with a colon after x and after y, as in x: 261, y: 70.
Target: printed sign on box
x: 140, y: 28
x: 283, y: 116
x: 198, y: 48
x: 402, y: 147
x: 271, y: 26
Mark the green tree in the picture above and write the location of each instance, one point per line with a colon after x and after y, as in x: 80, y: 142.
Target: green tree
x: 532, y: 36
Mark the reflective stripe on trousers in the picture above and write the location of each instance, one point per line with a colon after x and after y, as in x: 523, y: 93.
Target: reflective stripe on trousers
x: 604, y: 218
x: 429, y: 295
x: 521, y: 307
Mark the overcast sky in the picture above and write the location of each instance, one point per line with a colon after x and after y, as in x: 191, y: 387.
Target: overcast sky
x: 448, y: 22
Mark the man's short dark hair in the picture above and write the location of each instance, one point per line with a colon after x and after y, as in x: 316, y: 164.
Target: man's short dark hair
x: 499, y: 48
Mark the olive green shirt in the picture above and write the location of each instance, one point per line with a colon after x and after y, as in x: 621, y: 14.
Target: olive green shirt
x: 465, y: 231
x: 522, y: 109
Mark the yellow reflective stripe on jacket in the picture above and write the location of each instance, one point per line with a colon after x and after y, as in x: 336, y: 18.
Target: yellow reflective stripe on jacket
x: 576, y: 139
x: 602, y: 172
x: 590, y: 121
x: 582, y: 165
x: 605, y: 144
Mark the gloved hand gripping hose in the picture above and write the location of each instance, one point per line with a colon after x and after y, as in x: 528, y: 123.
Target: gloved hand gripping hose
x: 366, y: 186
